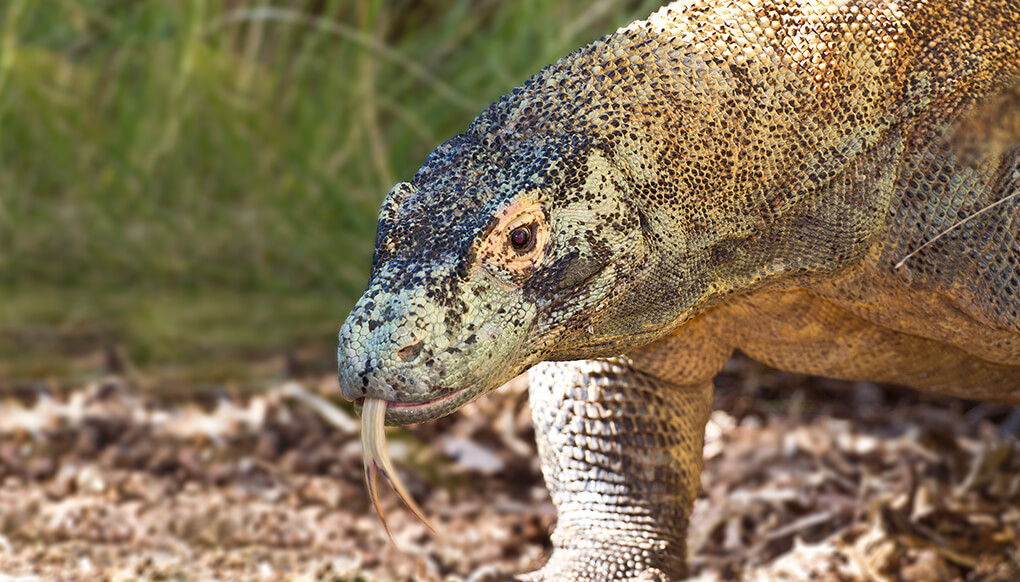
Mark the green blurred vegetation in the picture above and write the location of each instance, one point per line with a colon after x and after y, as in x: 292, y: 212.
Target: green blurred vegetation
x: 197, y: 180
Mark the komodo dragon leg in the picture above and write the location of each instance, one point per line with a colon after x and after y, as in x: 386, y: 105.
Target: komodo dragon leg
x: 621, y: 453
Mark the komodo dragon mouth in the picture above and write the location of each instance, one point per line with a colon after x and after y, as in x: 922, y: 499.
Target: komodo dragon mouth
x: 401, y: 413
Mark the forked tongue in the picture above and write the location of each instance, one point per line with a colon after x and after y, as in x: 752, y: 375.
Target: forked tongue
x: 373, y: 440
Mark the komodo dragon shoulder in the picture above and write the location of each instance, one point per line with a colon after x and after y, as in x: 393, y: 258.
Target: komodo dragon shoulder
x: 830, y: 186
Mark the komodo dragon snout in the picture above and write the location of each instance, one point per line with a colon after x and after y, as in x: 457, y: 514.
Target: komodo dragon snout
x: 496, y: 253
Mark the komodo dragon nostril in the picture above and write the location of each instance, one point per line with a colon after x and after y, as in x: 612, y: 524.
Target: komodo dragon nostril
x: 409, y: 352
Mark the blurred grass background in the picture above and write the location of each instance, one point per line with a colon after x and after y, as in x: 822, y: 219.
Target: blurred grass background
x: 191, y: 185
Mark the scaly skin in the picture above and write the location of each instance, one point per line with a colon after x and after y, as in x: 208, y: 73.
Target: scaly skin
x: 723, y: 175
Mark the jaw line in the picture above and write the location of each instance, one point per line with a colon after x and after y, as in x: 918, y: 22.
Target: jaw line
x: 401, y: 413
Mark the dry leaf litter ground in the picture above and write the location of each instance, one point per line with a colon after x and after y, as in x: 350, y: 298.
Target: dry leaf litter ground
x: 805, y: 479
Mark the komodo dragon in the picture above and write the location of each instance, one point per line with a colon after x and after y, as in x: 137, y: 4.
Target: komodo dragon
x: 830, y: 186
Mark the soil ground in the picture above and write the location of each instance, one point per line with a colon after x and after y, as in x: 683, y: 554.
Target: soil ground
x: 805, y: 479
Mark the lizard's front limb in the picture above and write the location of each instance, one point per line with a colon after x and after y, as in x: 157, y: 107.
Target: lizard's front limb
x: 622, y: 454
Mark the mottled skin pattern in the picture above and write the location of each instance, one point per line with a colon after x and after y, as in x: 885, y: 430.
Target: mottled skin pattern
x: 723, y: 175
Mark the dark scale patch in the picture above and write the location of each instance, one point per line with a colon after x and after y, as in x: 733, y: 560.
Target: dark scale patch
x: 568, y: 272
x: 445, y: 214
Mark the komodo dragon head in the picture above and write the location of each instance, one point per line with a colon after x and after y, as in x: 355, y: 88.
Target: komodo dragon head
x: 500, y: 253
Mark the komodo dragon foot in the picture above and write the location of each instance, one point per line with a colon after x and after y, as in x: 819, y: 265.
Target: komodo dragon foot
x: 621, y: 454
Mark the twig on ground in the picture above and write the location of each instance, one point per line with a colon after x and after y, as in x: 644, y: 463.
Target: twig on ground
x: 331, y: 413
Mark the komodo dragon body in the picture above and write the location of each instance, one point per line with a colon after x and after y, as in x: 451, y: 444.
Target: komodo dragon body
x: 830, y: 186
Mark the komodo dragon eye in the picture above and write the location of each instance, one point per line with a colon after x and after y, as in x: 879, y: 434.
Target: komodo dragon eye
x: 523, y: 238
x: 517, y: 243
